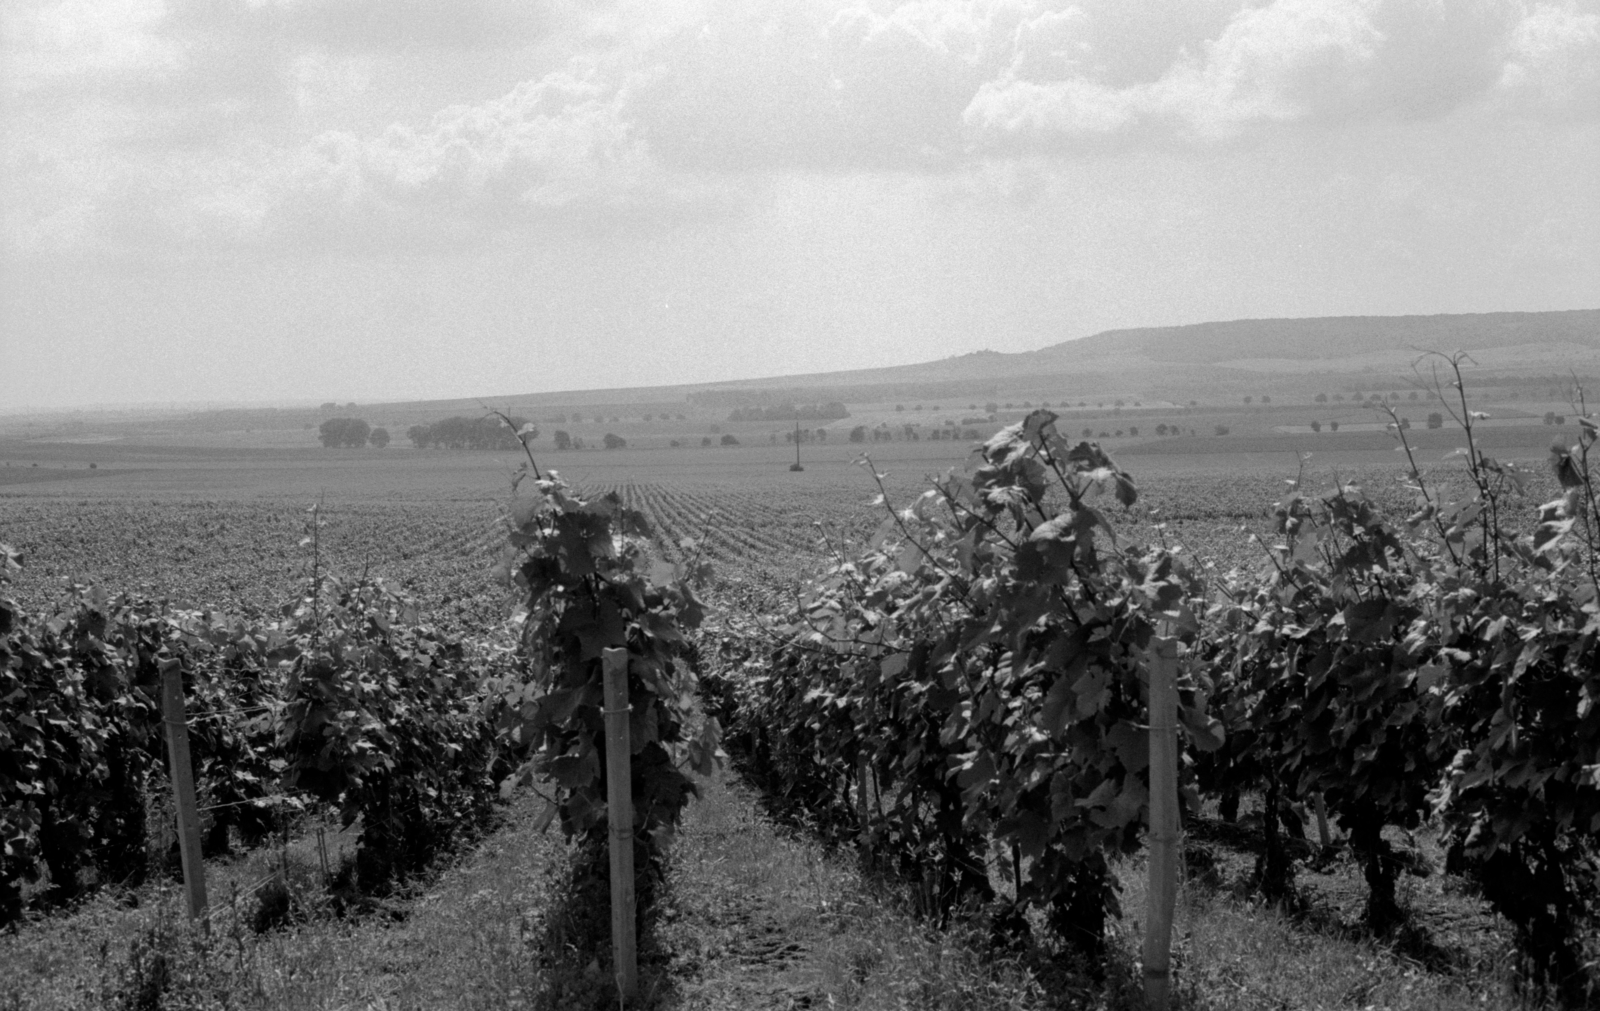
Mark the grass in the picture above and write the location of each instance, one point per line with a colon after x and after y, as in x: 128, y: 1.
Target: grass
x: 462, y: 942
x: 754, y: 917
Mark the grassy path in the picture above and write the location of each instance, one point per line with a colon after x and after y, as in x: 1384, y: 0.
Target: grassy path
x: 755, y: 919
x: 761, y: 920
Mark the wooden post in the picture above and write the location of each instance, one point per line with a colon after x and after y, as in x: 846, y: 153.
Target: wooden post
x: 194, y: 868
x: 1323, y: 835
x: 864, y: 816
x: 1163, y: 838
x: 619, y: 808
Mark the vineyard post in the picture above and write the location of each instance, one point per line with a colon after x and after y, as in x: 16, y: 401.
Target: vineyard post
x: 1323, y: 835
x: 1162, y: 894
x: 194, y: 869
x: 619, y: 807
x: 861, y: 799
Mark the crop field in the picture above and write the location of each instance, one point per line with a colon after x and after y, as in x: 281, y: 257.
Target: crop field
x: 223, y: 528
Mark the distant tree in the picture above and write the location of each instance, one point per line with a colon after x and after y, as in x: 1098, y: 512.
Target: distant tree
x: 858, y: 433
x: 1316, y: 426
x: 563, y: 440
x: 577, y: 419
x: 899, y: 407
x: 729, y: 440
x: 347, y: 432
x: 969, y: 434
x: 706, y: 441
x: 1339, y: 397
x: 1133, y: 430
x: 1248, y: 399
x: 1435, y: 420
x: 330, y: 406
x: 1088, y: 433
x: 1045, y: 404
x: 1561, y: 419
x: 991, y: 407
x: 649, y: 417
x: 1009, y: 405
x: 1138, y: 403
x: 1119, y: 433
x: 1222, y: 429
x: 1266, y: 399
x: 1117, y: 404
x: 379, y: 438
x: 350, y: 406
x: 822, y: 435
x: 418, y: 434
x: 1333, y: 426
x: 1322, y: 398
x: 1194, y: 403
x: 676, y: 443
x: 1082, y: 404
x: 1549, y: 417
x: 1161, y: 429
x: 614, y: 441
x: 1027, y: 405
x: 1405, y: 423
x: 1412, y: 395
x: 682, y: 418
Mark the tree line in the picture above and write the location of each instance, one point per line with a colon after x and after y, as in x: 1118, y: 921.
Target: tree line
x: 469, y: 433
x: 831, y: 411
x: 351, y: 433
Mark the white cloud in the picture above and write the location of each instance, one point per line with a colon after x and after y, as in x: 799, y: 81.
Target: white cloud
x: 547, y: 143
x: 1555, y: 61
x: 1287, y: 62
x: 223, y: 116
x: 44, y: 42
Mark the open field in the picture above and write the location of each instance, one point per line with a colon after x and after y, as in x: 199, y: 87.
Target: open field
x: 222, y: 526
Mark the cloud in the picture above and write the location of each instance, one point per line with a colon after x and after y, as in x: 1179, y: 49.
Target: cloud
x: 366, y: 26
x: 1554, y: 65
x: 1287, y: 63
x: 224, y: 116
x: 546, y: 144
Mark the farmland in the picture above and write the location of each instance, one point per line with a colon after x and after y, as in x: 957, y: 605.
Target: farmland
x: 225, y: 527
x: 221, y: 526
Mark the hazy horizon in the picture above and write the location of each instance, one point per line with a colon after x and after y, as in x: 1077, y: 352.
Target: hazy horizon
x: 265, y: 201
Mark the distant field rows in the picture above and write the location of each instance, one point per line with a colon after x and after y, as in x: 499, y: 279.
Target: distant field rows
x: 755, y: 521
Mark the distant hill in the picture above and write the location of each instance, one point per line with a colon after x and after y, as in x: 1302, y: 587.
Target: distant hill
x: 1334, y: 337
x: 1195, y: 357
x: 1209, y: 362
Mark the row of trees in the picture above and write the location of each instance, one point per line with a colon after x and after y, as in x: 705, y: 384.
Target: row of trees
x: 472, y: 433
x: 831, y: 411
x: 351, y: 433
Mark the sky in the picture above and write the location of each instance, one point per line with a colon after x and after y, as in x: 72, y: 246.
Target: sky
x: 292, y: 200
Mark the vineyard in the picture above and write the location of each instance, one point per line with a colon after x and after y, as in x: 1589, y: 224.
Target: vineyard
x: 948, y: 676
